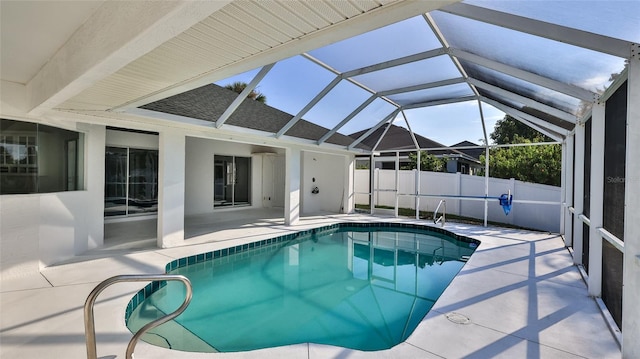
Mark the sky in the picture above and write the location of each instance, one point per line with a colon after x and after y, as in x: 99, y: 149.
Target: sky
x: 295, y: 81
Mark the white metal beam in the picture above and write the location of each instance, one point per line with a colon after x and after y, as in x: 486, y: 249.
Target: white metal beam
x: 457, y: 80
x: 384, y: 133
x: 631, y: 267
x: 116, y: 34
x: 243, y: 95
x: 578, y: 193
x: 347, y: 119
x: 568, y: 35
x: 544, y: 131
x: 563, y: 184
x: 308, y: 107
x: 568, y: 227
x: 486, y: 164
x: 395, y: 62
x: 567, y: 89
x: 391, y: 116
x: 413, y: 136
x: 438, y: 102
x: 544, y: 124
x: 445, y: 44
x: 525, y: 101
x: 596, y: 198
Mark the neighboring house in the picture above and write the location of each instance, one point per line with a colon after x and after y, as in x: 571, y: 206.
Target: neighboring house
x: 399, y: 139
x: 467, y: 160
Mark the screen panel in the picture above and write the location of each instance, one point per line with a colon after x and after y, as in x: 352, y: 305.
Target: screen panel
x: 432, y: 94
x: 414, y: 73
x: 562, y: 62
x: 527, y: 89
x: 614, y: 162
x: 618, y: 19
x: 612, y: 268
x: 397, y: 40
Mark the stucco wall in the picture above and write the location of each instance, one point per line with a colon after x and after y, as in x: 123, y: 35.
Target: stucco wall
x: 329, y: 172
x: 199, y: 165
x: 37, y: 230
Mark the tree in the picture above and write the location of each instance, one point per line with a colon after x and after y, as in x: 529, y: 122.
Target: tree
x: 428, y: 162
x: 538, y: 164
x: 239, y: 86
x: 506, y: 130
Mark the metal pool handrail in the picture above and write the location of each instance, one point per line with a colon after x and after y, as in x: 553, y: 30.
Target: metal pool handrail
x: 442, y: 218
x: 89, y: 325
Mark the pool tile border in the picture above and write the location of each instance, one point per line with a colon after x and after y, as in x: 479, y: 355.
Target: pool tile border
x: 220, y: 253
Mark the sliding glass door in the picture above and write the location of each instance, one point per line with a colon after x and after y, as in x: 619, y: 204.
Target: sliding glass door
x: 131, y: 181
x: 231, y: 181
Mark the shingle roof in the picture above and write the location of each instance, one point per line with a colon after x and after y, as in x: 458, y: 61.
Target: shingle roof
x: 473, y: 152
x: 398, y: 138
x: 209, y: 102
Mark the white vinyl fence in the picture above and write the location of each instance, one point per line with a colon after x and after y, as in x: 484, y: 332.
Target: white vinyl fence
x: 535, y: 206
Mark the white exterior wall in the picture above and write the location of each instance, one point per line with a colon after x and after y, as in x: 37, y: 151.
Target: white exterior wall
x: 131, y: 139
x: 537, y: 216
x: 37, y: 230
x: 199, y: 165
x: 329, y: 172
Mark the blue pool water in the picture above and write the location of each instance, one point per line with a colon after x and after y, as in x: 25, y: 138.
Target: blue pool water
x: 363, y: 287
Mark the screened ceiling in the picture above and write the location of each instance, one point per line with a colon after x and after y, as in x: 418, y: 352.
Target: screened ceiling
x: 447, y: 75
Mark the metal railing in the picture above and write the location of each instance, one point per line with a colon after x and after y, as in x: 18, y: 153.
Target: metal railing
x: 443, y: 217
x: 89, y: 325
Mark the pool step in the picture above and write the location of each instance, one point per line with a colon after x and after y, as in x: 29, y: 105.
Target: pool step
x: 170, y: 335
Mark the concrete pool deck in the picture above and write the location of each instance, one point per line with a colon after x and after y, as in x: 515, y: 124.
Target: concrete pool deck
x: 520, y: 291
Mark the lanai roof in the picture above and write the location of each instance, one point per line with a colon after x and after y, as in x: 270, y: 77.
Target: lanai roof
x: 342, y: 67
x: 543, y: 63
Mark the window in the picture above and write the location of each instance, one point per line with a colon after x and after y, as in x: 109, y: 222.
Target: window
x: 37, y: 158
x: 131, y: 181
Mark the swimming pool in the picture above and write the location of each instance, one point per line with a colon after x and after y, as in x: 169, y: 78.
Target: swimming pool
x: 359, y: 286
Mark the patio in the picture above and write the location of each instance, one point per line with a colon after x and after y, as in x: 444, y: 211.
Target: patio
x: 520, y: 290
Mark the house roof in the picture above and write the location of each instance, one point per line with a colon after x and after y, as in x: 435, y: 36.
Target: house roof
x: 472, y: 152
x: 209, y: 102
x: 399, y: 138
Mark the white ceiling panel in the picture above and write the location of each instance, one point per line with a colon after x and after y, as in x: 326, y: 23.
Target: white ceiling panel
x: 238, y: 31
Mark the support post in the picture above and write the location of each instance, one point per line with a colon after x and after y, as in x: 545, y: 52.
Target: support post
x: 596, y: 200
x: 486, y: 186
x: 171, y: 186
x: 372, y: 183
x: 631, y: 273
x: 563, y: 184
x: 292, y: 186
x: 417, y: 187
x: 568, y: 227
x: 458, y: 192
x: 578, y: 196
x: 397, y: 185
x: 486, y: 164
x: 348, y: 197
